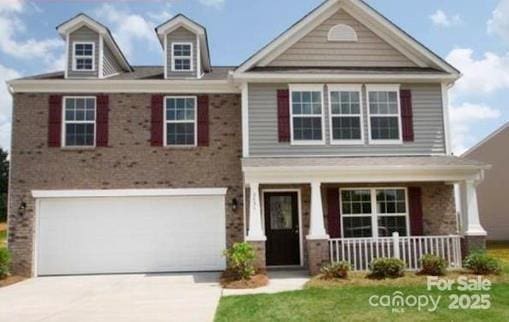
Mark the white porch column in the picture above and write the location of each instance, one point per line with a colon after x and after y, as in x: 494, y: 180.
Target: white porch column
x: 317, y: 226
x: 470, y: 223
x: 255, y: 232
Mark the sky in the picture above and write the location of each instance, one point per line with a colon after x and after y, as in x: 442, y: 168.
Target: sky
x: 471, y: 35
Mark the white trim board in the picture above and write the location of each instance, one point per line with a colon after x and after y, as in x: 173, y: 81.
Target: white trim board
x: 124, y: 86
x: 128, y: 193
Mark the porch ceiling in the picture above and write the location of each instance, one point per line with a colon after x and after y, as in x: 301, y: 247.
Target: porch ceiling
x: 361, y: 169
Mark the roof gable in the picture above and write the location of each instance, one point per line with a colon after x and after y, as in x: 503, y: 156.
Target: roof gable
x: 499, y: 134
x: 363, y: 48
x: 371, y: 19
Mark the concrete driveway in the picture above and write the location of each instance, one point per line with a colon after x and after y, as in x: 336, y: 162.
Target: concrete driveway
x: 152, y: 297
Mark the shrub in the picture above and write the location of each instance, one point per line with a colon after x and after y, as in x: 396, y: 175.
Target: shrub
x: 5, y: 261
x: 241, y: 257
x: 482, y: 264
x: 433, y: 265
x: 387, y: 267
x: 335, y: 270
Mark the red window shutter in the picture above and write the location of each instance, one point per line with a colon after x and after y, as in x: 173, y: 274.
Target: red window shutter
x: 203, y: 120
x: 283, y: 115
x: 55, y: 121
x: 333, y: 213
x: 415, y: 209
x: 407, y: 115
x: 102, y: 120
x: 156, y: 131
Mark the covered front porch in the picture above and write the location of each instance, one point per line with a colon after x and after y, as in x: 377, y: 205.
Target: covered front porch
x: 310, y: 211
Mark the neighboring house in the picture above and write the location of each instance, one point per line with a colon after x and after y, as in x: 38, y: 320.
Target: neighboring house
x: 319, y: 147
x: 493, y: 190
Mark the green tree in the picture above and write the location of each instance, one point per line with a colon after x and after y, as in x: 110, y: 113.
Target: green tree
x: 4, y: 184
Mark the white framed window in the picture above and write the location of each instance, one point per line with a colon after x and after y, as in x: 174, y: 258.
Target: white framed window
x: 182, y: 56
x: 83, y: 56
x: 306, y: 114
x: 384, y: 113
x: 345, y: 110
x: 374, y: 212
x: 180, y: 126
x: 78, y: 126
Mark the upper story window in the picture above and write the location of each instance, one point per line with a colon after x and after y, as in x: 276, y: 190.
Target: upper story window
x: 384, y: 114
x: 83, y: 56
x: 345, y: 114
x: 306, y: 107
x: 182, y: 56
x: 79, y: 121
x: 180, y: 121
x: 376, y: 212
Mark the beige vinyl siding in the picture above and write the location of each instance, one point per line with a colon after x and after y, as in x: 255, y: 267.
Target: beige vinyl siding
x: 181, y: 35
x: 428, y: 126
x: 110, y: 65
x: 492, y: 192
x: 316, y: 51
x: 83, y: 34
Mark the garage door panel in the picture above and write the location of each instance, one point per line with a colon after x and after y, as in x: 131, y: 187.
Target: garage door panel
x: 130, y: 234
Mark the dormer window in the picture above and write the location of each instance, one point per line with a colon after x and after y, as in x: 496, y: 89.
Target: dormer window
x: 182, y: 57
x: 83, y: 56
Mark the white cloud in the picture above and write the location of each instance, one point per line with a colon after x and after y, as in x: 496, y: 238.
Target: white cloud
x: 5, y: 105
x: 128, y: 28
x: 441, y: 19
x: 480, y: 76
x: 12, y: 27
x: 11, y: 5
x: 463, y: 118
x: 499, y: 21
x: 213, y: 3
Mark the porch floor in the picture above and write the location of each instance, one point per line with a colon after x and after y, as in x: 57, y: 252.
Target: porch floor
x: 279, y: 281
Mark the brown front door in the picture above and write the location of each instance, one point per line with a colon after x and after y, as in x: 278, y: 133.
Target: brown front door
x: 282, y: 228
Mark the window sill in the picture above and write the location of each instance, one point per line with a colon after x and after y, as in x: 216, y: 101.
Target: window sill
x: 385, y: 142
x: 346, y: 142
x: 307, y: 142
x: 180, y: 147
x: 78, y: 148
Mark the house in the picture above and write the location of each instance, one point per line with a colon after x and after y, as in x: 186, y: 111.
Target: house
x: 329, y: 143
x: 492, y: 191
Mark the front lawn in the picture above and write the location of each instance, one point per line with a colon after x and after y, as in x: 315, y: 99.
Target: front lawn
x: 352, y: 304
x: 349, y: 300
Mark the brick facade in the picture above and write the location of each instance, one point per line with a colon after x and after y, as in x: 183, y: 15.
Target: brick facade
x: 129, y: 162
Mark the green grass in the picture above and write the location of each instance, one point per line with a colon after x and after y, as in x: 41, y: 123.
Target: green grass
x: 349, y: 301
x: 3, y: 236
x: 352, y: 304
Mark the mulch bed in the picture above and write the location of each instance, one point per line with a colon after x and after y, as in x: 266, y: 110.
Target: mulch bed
x: 231, y: 282
x: 11, y: 280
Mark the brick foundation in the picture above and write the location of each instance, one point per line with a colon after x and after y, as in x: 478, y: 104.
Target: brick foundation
x: 261, y: 261
x: 318, y: 255
x: 472, y: 243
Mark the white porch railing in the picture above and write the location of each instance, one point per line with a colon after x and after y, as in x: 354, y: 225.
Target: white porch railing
x: 359, y: 252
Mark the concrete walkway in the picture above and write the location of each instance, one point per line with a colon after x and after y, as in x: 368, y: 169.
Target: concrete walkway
x: 154, y: 297
x: 279, y: 281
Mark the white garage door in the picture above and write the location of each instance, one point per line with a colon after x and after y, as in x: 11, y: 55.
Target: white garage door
x: 130, y: 234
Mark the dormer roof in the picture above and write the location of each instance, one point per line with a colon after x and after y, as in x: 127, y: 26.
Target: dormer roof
x: 181, y: 20
x: 81, y: 20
